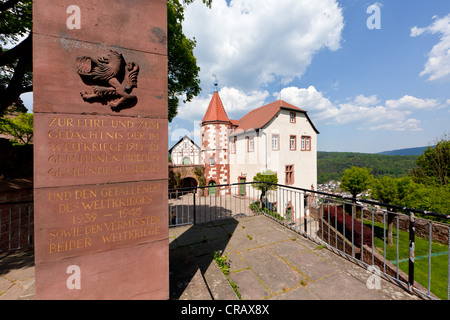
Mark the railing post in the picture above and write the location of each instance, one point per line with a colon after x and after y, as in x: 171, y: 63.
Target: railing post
x: 305, y: 207
x: 412, y: 232
x: 195, y: 207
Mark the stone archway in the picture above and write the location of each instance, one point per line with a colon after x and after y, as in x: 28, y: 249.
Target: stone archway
x: 189, y: 182
x: 182, y: 175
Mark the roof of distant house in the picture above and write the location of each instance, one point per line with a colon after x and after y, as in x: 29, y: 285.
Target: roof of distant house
x: 181, y: 140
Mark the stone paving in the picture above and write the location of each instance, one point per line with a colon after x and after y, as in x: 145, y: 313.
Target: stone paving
x: 266, y: 260
x: 269, y: 261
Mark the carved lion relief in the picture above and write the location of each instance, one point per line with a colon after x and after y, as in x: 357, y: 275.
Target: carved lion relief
x: 111, y: 78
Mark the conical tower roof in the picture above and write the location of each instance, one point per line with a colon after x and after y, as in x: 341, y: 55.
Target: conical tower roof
x: 216, y: 111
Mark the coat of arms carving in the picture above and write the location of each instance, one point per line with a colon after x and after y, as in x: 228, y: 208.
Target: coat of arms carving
x: 111, y: 78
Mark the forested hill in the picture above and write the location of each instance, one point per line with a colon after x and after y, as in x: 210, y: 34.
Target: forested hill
x: 405, y: 152
x: 331, y: 165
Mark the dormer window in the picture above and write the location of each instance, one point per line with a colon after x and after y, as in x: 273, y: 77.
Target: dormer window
x: 292, y: 117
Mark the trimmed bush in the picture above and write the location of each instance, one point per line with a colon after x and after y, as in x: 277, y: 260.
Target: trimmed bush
x: 337, y: 218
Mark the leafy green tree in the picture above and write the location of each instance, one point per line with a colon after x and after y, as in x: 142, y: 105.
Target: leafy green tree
x: 392, y: 191
x: 429, y: 198
x: 356, y: 180
x: 20, y: 128
x: 182, y: 70
x: 433, y: 166
x: 15, y: 62
x: 267, y: 179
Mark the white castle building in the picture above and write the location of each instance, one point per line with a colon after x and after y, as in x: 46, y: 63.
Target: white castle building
x: 278, y: 136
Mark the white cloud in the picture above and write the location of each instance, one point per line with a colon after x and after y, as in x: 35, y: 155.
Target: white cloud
x: 366, y: 101
x: 236, y: 103
x: 239, y: 102
x: 251, y: 42
x: 407, y: 125
x: 306, y: 98
x: 438, y: 64
x: 411, y: 103
x: 363, y: 111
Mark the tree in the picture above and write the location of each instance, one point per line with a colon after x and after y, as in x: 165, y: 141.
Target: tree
x: 392, y: 191
x: 433, y: 166
x: 182, y: 70
x: 16, y: 62
x: 20, y: 128
x: 356, y: 180
x: 270, y: 178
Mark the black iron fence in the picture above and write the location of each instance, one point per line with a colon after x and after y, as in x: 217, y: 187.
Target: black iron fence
x: 402, y: 243
x: 16, y: 226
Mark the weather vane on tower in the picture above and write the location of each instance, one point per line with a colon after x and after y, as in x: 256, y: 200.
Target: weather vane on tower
x: 216, y: 82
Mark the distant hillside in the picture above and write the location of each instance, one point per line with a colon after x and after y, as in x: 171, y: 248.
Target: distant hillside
x: 331, y: 165
x: 405, y: 152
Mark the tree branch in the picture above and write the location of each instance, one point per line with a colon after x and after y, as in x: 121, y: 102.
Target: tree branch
x: 8, y: 5
x: 22, y: 49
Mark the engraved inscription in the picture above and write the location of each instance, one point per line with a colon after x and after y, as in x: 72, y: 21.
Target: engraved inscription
x: 84, y: 147
x: 96, y: 217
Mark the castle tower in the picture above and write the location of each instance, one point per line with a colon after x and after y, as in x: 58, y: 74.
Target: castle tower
x: 215, y: 129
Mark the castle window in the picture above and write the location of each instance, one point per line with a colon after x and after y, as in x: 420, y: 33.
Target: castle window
x: 289, y: 175
x: 292, y: 117
x: 306, y: 143
x: 275, y: 142
x: 233, y: 145
x: 293, y: 143
x: 211, y: 161
x: 250, y: 144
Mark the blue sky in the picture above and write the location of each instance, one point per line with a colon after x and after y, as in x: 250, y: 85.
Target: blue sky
x: 366, y: 90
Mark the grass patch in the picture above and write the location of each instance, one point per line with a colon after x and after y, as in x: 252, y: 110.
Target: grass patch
x: 224, y: 265
x: 439, y: 257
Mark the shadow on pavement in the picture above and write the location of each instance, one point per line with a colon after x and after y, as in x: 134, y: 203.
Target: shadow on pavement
x: 193, y: 250
x: 16, y: 260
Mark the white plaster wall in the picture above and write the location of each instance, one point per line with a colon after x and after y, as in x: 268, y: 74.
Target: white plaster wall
x: 248, y: 164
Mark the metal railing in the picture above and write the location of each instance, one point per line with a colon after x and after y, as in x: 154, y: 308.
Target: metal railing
x: 399, y: 242
x: 417, y: 257
x: 16, y: 226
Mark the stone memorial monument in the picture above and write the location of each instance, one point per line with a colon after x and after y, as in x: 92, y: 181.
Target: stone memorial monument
x: 100, y: 150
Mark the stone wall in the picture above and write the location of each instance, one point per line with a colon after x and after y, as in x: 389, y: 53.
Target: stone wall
x: 439, y: 230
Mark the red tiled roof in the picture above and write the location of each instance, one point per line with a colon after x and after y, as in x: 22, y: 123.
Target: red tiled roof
x: 216, y: 111
x: 258, y: 118
x: 234, y: 122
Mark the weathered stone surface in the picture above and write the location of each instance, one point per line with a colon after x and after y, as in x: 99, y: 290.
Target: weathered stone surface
x: 80, y: 149
x: 100, y: 149
x: 137, y: 24
x: 128, y: 273
x: 59, y: 86
x: 87, y: 219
